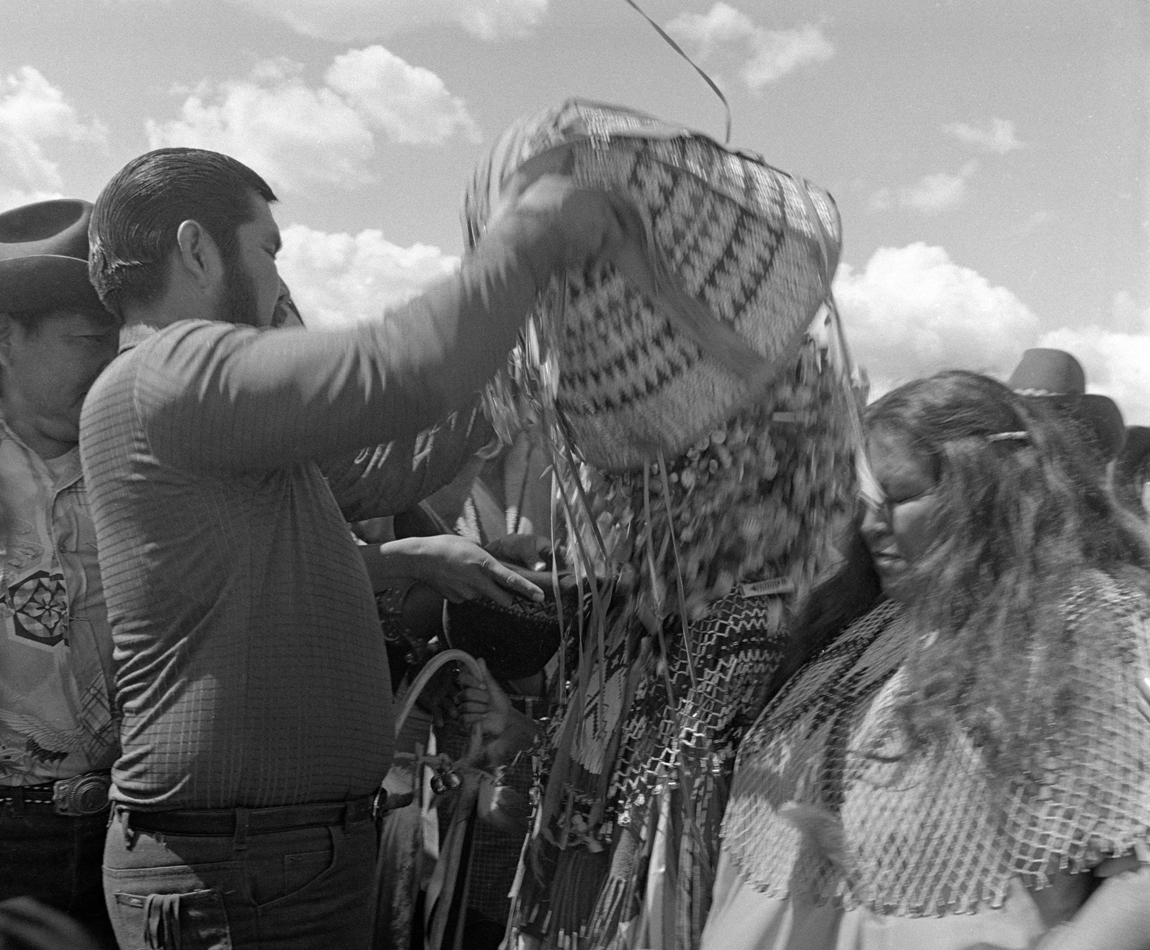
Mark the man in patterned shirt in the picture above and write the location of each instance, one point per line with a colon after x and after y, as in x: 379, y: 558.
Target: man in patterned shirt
x: 57, y: 729
x: 253, y: 677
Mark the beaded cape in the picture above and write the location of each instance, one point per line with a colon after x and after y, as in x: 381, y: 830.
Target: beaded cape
x: 827, y: 803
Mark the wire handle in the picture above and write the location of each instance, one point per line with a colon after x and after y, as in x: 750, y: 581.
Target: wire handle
x: 678, y: 49
x: 433, y: 666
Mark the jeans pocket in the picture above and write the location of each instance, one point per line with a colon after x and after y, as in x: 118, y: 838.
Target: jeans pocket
x: 194, y: 920
x: 293, y: 874
x: 301, y: 869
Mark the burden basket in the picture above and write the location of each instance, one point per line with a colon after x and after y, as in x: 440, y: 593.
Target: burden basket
x: 741, y: 256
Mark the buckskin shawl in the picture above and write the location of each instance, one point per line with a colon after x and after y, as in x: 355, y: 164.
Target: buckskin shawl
x: 823, y: 803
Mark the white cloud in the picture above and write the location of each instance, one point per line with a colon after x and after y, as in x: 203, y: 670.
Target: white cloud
x: 338, y: 278
x: 411, y: 104
x: 939, y: 192
x: 779, y: 52
x: 709, y: 33
x: 348, y: 21
x: 16, y: 197
x: 289, y: 133
x: 767, y: 55
x: 931, y: 194
x: 998, y: 136
x: 1116, y: 357
x: 945, y: 191
x: 912, y: 311
x: 295, y: 135
x: 33, y: 112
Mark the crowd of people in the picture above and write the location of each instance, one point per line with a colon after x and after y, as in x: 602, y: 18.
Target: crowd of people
x: 196, y: 697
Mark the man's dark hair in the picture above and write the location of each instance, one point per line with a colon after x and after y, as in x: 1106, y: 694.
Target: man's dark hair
x: 134, y: 222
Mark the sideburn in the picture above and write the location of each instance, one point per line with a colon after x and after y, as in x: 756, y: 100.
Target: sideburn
x: 239, y: 290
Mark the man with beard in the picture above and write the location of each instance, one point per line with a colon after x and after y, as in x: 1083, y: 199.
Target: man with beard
x: 57, y: 725
x: 257, y: 710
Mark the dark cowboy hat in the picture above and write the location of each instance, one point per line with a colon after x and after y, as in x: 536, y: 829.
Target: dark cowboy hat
x: 1056, y: 379
x: 44, y: 257
x: 1136, y: 449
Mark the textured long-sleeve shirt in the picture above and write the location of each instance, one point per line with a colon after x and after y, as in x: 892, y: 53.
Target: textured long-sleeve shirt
x: 249, y: 661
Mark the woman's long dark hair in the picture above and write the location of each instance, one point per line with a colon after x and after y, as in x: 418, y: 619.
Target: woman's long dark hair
x: 1024, y: 521
x: 837, y: 602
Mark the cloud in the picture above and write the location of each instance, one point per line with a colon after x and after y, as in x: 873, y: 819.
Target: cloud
x: 945, y: 191
x: 912, y: 311
x: 778, y: 53
x: 339, y: 278
x: 767, y: 55
x: 296, y: 135
x: 931, y: 194
x: 1116, y: 357
x: 348, y: 21
x: 15, y: 197
x: 32, y: 113
x: 409, y: 103
x: 289, y: 133
x: 998, y: 137
x: 708, y: 33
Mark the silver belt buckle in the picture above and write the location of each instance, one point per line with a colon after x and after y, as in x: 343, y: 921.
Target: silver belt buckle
x: 81, y: 795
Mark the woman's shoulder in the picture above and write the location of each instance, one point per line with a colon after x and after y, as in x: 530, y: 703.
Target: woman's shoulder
x: 1094, y: 596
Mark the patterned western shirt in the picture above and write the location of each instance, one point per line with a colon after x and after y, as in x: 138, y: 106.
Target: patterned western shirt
x: 56, y: 717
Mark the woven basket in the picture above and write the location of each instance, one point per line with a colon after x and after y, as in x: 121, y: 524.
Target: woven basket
x: 742, y: 252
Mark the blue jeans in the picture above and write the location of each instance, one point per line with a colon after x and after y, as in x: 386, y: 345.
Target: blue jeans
x: 55, y: 859
x: 304, y: 889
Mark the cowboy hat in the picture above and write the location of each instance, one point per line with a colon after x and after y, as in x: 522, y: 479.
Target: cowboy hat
x: 1136, y: 449
x: 1055, y: 378
x: 44, y: 257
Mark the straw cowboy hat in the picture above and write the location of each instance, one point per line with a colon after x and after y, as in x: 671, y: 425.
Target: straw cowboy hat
x: 1055, y: 378
x: 44, y: 257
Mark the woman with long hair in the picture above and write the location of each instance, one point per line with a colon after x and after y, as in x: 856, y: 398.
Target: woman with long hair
x: 964, y: 765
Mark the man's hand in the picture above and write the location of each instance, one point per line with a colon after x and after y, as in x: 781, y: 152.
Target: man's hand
x: 578, y: 225
x: 531, y: 551
x: 461, y: 570
x: 483, y: 701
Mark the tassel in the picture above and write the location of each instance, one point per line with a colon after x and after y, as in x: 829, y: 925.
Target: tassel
x: 822, y: 828
x: 579, y: 876
x: 610, y: 906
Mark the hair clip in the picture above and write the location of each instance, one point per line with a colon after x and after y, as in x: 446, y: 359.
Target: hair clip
x: 1008, y: 436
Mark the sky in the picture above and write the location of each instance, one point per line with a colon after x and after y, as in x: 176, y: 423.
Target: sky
x: 989, y: 158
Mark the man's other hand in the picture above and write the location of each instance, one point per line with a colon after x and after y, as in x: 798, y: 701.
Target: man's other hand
x: 461, y: 570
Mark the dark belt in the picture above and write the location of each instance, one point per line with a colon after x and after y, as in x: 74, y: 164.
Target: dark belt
x: 230, y: 822
x: 76, y: 797
x: 29, y: 794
